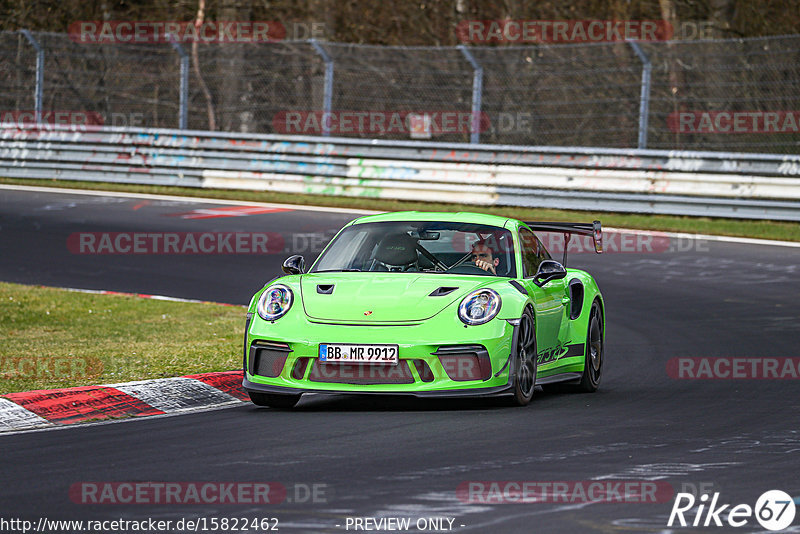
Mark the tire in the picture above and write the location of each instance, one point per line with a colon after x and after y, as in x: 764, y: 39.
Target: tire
x: 595, y: 352
x: 525, y: 360
x: 273, y: 400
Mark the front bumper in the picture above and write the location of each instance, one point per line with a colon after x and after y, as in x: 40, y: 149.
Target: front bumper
x: 439, y: 357
x: 476, y: 392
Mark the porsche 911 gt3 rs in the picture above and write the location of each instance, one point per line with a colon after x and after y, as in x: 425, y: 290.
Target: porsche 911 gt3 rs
x: 430, y: 305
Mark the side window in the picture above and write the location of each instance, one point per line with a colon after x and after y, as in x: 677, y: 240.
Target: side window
x: 532, y: 252
x: 543, y: 254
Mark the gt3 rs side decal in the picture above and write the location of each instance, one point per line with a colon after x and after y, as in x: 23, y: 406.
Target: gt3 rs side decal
x: 564, y: 351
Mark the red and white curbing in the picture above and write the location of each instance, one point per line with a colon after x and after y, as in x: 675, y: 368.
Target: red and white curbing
x: 56, y: 407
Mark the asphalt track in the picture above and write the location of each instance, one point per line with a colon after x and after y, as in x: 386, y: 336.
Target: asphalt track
x: 403, y: 458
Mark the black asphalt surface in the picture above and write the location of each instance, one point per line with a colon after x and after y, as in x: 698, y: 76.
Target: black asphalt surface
x: 401, y: 458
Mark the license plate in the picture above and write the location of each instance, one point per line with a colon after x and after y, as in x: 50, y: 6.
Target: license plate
x: 349, y: 353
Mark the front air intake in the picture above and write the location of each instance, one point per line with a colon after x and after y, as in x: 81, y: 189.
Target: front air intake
x: 463, y: 363
x: 268, y: 358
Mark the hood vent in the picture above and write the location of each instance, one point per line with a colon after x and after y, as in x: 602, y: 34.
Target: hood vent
x: 325, y: 289
x: 442, y: 291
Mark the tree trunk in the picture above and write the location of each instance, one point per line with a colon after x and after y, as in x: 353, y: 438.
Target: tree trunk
x: 198, y: 22
x: 675, y: 72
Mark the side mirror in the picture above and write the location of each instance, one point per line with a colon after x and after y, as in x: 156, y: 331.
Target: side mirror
x: 294, y: 264
x: 549, y: 270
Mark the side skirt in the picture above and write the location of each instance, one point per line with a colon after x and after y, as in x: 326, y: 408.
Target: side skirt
x: 561, y: 377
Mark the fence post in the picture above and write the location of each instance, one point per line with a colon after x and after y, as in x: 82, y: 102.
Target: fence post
x: 183, y: 103
x: 644, y: 98
x: 38, y: 89
x: 327, y: 96
x: 477, y: 95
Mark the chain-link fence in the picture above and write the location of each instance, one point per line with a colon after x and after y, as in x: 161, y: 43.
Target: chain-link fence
x: 733, y: 95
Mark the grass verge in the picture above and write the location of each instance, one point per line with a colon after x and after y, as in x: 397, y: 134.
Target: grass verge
x: 55, y: 338
x: 786, y: 231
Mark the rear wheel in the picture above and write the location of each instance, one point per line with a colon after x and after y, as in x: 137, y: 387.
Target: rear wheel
x: 525, y: 366
x: 593, y: 360
x: 273, y: 400
x: 593, y: 367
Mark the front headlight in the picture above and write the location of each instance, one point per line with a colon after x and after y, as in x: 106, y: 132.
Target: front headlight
x: 479, y: 307
x: 274, y: 302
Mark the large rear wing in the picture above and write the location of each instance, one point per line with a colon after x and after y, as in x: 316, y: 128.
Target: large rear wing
x: 593, y: 229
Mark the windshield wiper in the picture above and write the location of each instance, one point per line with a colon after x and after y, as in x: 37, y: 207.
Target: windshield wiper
x: 338, y: 271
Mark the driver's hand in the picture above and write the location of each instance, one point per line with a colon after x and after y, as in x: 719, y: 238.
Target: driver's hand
x: 485, y: 265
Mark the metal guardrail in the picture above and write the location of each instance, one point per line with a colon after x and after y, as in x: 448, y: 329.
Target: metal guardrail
x: 750, y: 186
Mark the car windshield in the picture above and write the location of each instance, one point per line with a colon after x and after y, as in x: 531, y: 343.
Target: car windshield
x: 421, y: 246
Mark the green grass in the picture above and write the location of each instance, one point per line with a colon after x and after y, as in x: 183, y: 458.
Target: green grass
x: 761, y: 229
x: 53, y: 338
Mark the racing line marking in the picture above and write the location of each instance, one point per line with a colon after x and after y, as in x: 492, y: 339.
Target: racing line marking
x: 227, y: 211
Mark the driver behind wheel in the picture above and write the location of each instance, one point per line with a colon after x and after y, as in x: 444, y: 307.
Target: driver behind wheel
x: 483, y: 257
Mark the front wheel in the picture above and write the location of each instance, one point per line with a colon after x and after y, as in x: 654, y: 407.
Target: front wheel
x: 525, y: 363
x: 273, y: 400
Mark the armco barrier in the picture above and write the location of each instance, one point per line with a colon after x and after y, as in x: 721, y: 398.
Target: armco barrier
x: 753, y: 186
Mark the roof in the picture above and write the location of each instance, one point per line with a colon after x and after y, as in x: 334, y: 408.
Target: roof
x: 444, y: 216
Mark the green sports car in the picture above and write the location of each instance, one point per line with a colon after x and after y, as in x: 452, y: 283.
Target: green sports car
x: 430, y: 305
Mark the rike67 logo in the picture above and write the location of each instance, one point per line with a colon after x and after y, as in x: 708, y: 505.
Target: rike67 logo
x: 774, y: 510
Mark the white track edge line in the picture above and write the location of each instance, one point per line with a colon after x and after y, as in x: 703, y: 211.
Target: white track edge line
x: 208, y: 200
x: 109, y: 293
x: 707, y: 237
